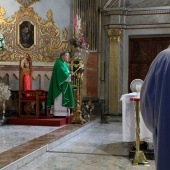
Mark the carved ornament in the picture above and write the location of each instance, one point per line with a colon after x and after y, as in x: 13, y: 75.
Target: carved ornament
x: 27, y: 32
x: 27, y: 2
x: 114, y: 34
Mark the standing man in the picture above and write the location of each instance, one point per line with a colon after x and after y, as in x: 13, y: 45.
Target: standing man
x: 155, y: 107
x: 60, y: 95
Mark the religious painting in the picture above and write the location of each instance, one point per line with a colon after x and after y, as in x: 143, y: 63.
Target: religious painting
x: 26, y: 34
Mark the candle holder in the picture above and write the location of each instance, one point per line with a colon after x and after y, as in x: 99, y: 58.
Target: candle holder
x: 77, y: 112
x: 139, y: 154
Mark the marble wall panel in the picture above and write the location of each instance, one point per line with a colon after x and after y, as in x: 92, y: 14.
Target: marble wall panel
x: 90, y: 76
x: 146, y: 4
x: 148, y: 19
x: 4, y: 79
x: 114, y: 19
x: 46, y: 82
x: 36, y: 82
x: 121, y: 3
x: 117, y: 19
x: 14, y: 85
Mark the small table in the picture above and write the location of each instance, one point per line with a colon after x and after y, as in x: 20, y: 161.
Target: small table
x: 128, y: 121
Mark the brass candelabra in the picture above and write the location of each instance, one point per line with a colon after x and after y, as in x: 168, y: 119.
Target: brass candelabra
x: 77, y: 87
x: 139, y: 157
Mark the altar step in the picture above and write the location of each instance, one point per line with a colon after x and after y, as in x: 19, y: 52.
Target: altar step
x: 42, y: 121
x: 27, y: 152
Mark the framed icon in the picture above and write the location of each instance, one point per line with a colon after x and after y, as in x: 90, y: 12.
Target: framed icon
x: 26, y: 34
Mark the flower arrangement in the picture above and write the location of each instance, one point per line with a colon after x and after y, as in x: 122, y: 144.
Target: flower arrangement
x: 5, y: 92
x: 77, y: 41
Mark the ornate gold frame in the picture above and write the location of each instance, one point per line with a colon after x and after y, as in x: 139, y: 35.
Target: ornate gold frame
x: 47, y: 42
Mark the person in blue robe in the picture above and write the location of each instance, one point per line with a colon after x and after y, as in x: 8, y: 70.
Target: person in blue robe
x: 155, y: 107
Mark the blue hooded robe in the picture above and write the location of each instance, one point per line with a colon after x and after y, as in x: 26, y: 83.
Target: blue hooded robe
x: 155, y: 107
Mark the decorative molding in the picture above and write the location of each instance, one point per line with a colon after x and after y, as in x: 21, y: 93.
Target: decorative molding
x: 46, y: 45
x: 137, y: 11
x: 148, y: 12
x: 27, y: 3
x: 12, y: 71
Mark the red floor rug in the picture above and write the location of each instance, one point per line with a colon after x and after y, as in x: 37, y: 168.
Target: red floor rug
x: 42, y: 121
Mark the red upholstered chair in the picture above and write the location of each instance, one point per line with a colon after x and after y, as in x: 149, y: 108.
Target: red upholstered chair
x: 30, y: 101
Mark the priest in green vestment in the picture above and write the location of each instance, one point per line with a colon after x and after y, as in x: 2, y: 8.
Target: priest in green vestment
x: 60, y: 94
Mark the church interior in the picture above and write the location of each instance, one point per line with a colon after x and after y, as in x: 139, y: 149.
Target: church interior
x: 119, y: 40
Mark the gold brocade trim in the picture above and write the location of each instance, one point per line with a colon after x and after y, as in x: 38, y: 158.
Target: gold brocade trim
x: 114, y: 34
x: 46, y: 44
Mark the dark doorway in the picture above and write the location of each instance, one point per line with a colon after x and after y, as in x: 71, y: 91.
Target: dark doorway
x: 142, y: 52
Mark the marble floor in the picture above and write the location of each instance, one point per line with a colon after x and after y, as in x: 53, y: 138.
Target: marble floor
x: 92, y: 146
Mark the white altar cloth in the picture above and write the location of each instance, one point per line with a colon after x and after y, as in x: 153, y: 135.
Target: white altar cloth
x: 129, y: 121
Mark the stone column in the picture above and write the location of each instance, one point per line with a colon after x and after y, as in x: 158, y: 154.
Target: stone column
x: 114, y: 39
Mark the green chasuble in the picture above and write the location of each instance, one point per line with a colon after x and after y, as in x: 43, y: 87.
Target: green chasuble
x: 59, y: 85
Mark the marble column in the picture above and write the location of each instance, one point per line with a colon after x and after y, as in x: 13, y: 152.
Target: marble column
x: 114, y: 39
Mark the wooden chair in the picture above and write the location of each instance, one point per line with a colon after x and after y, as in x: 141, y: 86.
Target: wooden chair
x: 30, y: 101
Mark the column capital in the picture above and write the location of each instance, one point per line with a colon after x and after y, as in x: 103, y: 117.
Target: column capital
x: 114, y: 34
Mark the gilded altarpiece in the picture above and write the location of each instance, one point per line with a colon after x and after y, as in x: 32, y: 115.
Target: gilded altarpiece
x: 27, y: 32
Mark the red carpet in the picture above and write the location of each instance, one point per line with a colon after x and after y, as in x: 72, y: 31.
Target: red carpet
x: 42, y: 121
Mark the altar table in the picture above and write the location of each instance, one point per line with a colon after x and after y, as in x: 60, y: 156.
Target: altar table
x: 129, y: 121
